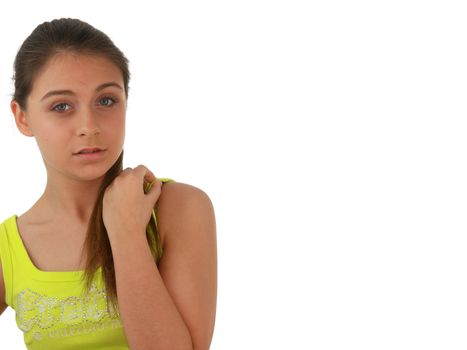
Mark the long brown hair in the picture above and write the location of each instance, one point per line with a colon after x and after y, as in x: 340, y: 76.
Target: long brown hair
x: 74, y: 35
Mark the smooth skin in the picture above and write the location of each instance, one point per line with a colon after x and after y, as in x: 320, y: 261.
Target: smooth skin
x: 93, y: 115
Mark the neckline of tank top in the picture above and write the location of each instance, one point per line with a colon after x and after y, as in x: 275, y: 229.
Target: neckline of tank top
x: 34, y: 270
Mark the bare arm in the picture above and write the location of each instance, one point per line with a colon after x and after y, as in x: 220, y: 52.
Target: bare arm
x: 171, y: 306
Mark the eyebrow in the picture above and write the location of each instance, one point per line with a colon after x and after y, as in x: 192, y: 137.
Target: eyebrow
x: 69, y: 92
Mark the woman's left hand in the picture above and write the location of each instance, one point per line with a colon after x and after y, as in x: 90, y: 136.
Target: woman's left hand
x: 126, y: 208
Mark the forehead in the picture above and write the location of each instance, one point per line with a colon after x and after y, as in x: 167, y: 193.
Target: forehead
x: 75, y: 72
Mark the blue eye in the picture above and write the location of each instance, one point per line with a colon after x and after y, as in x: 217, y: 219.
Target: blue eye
x: 57, y: 109
x: 106, y: 98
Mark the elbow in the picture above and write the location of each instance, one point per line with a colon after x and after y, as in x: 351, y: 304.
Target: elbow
x: 183, y: 343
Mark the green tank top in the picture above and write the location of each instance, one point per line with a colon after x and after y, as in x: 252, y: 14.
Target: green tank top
x: 51, y: 308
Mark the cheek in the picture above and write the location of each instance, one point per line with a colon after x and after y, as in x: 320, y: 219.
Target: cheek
x: 52, y: 138
x: 117, y: 125
x: 114, y: 132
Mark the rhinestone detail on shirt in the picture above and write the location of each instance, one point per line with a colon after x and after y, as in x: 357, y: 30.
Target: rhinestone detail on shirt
x: 43, y: 314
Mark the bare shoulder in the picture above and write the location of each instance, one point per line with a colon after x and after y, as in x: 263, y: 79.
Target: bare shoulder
x: 180, y: 193
x: 180, y: 203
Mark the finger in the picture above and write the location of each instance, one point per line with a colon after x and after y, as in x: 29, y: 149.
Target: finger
x: 148, y: 185
x: 154, y: 188
x: 147, y: 174
x: 126, y: 170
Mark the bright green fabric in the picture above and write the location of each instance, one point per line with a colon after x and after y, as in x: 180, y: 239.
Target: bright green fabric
x: 51, y: 308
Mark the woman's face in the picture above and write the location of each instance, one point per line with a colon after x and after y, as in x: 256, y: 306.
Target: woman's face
x: 77, y: 101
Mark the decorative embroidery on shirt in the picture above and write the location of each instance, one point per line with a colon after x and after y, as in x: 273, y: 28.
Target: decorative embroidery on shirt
x: 61, y: 317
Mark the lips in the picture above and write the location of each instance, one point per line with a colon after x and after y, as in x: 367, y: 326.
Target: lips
x: 89, y: 150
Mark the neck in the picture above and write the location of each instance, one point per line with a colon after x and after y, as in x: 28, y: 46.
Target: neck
x: 69, y: 199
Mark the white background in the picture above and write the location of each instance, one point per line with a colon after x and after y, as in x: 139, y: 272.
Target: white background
x: 331, y: 139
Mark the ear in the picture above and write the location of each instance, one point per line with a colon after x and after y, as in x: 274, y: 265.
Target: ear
x: 20, y: 119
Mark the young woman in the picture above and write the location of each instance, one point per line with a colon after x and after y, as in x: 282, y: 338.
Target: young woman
x: 89, y: 266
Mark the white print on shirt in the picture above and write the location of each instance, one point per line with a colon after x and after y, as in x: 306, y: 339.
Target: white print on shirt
x: 60, y: 317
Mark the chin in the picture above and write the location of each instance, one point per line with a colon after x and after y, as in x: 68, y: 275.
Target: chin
x: 95, y: 173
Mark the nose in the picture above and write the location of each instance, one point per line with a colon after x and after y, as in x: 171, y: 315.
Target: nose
x: 88, y: 124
